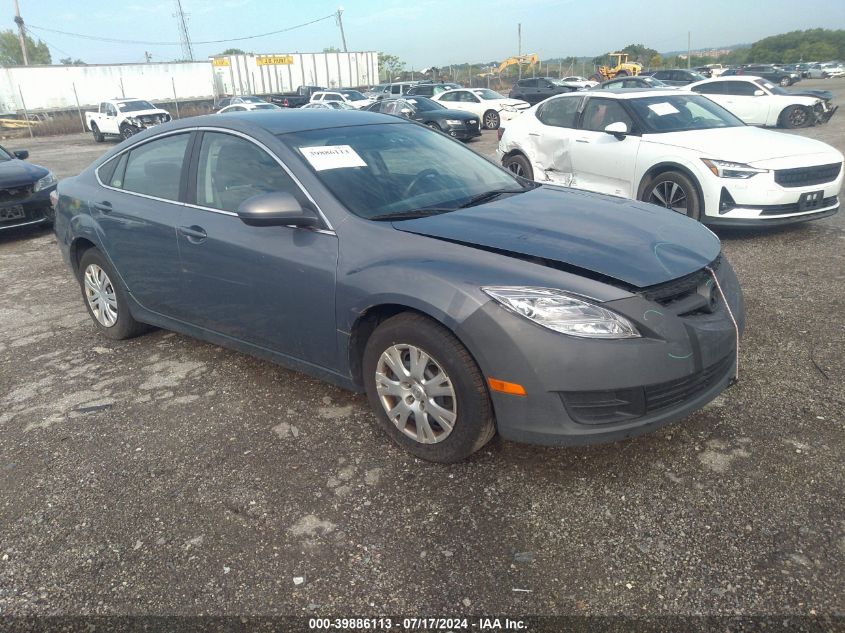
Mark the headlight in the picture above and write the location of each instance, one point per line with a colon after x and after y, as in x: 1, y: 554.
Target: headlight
x: 508, y: 108
x: 46, y: 181
x: 454, y: 122
x: 562, y: 312
x: 728, y: 169
x: 133, y: 121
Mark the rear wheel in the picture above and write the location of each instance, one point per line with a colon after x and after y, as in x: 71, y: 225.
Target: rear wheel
x: 426, y: 389
x: 795, y: 116
x: 622, y: 73
x: 675, y: 191
x: 105, y: 297
x: 491, y: 120
x: 98, y: 136
x: 518, y: 165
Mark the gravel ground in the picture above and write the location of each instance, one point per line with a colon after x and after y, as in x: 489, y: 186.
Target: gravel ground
x: 164, y: 476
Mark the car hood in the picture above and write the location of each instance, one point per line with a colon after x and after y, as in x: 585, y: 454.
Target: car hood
x: 137, y: 113
x: 741, y: 144
x: 590, y: 234
x: 826, y: 95
x: 17, y: 173
x: 516, y: 103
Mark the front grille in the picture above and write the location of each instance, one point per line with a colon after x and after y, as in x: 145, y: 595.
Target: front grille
x: 15, y: 194
x: 680, y: 288
x: 779, y: 209
x: 620, y: 405
x: 806, y: 176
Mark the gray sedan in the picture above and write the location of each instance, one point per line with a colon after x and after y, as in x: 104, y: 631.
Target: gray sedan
x: 385, y: 257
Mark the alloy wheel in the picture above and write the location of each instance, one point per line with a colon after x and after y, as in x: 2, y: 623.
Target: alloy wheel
x: 491, y: 120
x: 416, y: 393
x: 670, y: 195
x: 516, y: 168
x: 101, y: 295
x: 798, y: 117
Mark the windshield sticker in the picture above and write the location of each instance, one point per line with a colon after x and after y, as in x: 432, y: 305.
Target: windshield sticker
x: 662, y: 109
x: 332, y: 157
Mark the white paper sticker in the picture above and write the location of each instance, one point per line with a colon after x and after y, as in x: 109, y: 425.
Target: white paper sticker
x: 662, y: 109
x: 332, y: 157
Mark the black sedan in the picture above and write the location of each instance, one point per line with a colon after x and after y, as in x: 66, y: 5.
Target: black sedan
x: 457, y: 124
x: 24, y: 191
x: 385, y: 258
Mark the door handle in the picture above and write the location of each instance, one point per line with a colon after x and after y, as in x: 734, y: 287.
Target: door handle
x: 533, y: 134
x: 104, y: 206
x: 582, y: 140
x: 195, y: 234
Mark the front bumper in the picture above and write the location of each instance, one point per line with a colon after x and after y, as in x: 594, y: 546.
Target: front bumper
x: 584, y: 391
x: 463, y: 132
x: 36, y: 210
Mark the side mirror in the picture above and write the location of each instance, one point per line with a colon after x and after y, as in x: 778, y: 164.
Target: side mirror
x: 618, y: 129
x: 275, y: 209
x: 759, y: 93
x: 22, y: 154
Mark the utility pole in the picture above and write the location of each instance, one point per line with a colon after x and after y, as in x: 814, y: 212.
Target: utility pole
x: 340, y: 24
x: 187, y: 50
x: 519, y: 48
x: 148, y: 56
x: 689, y: 49
x: 21, y: 32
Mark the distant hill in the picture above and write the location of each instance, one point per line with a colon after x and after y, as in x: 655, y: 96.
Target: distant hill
x: 698, y: 51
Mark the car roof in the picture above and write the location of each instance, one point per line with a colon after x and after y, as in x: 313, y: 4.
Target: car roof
x: 730, y: 78
x: 288, y: 121
x: 630, y: 93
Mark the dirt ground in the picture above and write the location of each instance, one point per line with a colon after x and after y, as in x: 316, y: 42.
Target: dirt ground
x: 163, y: 475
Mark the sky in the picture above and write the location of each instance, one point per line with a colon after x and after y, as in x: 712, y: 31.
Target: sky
x: 421, y: 33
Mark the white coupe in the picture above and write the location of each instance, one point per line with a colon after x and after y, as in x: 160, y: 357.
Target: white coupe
x: 676, y: 149
x: 491, y: 107
x: 758, y: 101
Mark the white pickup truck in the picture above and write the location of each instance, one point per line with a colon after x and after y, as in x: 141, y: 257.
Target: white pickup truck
x: 124, y: 117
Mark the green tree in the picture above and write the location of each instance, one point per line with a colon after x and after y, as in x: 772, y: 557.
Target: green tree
x: 656, y: 61
x: 331, y: 49
x: 69, y: 61
x: 391, y: 65
x: 233, y: 51
x: 10, y: 50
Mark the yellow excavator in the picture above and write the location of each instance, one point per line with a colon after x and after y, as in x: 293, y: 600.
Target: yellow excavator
x: 623, y: 68
x: 520, y: 60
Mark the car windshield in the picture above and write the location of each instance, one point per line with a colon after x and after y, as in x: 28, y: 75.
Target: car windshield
x: 353, y: 95
x: 768, y: 85
x: 266, y: 106
x: 399, y: 170
x: 252, y: 100
x: 424, y: 104
x: 671, y: 113
x: 135, y: 106
x: 339, y: 105
x: 654, y: 83
x: 484, y: 93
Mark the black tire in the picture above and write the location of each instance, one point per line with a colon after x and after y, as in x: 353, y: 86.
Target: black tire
x: 662, y: 185
x: 126, y: 131
x: 433, y: 126
x: 519, y: 165
x: 98, y: 136
x: 491, y: 120
x: 622, y: 73
x: 125, y: 326
x: 473, y: 426
x: 796, y: 116
x: 785, y: 81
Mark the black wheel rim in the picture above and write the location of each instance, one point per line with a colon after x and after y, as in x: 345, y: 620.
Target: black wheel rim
x: 127, y: 132
x: 671, y: 195
x: 798, y: 117
x: 516, y: 168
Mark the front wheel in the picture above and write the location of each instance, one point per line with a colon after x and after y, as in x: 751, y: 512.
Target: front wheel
x: 433, y: 126
x: 795, y: 116
x: 519, y: 165
x: 491, y: 120
x: 126, y: 131
x: 105, y: 297
x: 785, y: 81
x: 622, y: 73
x: 675, y: 191
x: 426, y: 389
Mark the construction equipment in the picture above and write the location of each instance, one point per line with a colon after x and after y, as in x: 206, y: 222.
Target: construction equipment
x: 520, y: 60
x: 623, y: 68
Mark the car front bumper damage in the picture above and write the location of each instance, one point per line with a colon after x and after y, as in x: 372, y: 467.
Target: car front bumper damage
x: 23, y: 210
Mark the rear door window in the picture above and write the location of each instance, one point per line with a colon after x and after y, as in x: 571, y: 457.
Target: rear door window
x: 155, y: 168
x: 559, y: 112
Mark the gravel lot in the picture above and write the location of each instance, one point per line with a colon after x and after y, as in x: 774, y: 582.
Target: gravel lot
x: 163, y: 475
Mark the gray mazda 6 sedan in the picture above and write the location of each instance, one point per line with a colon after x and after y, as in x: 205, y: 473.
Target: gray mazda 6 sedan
x: 385, y: 257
